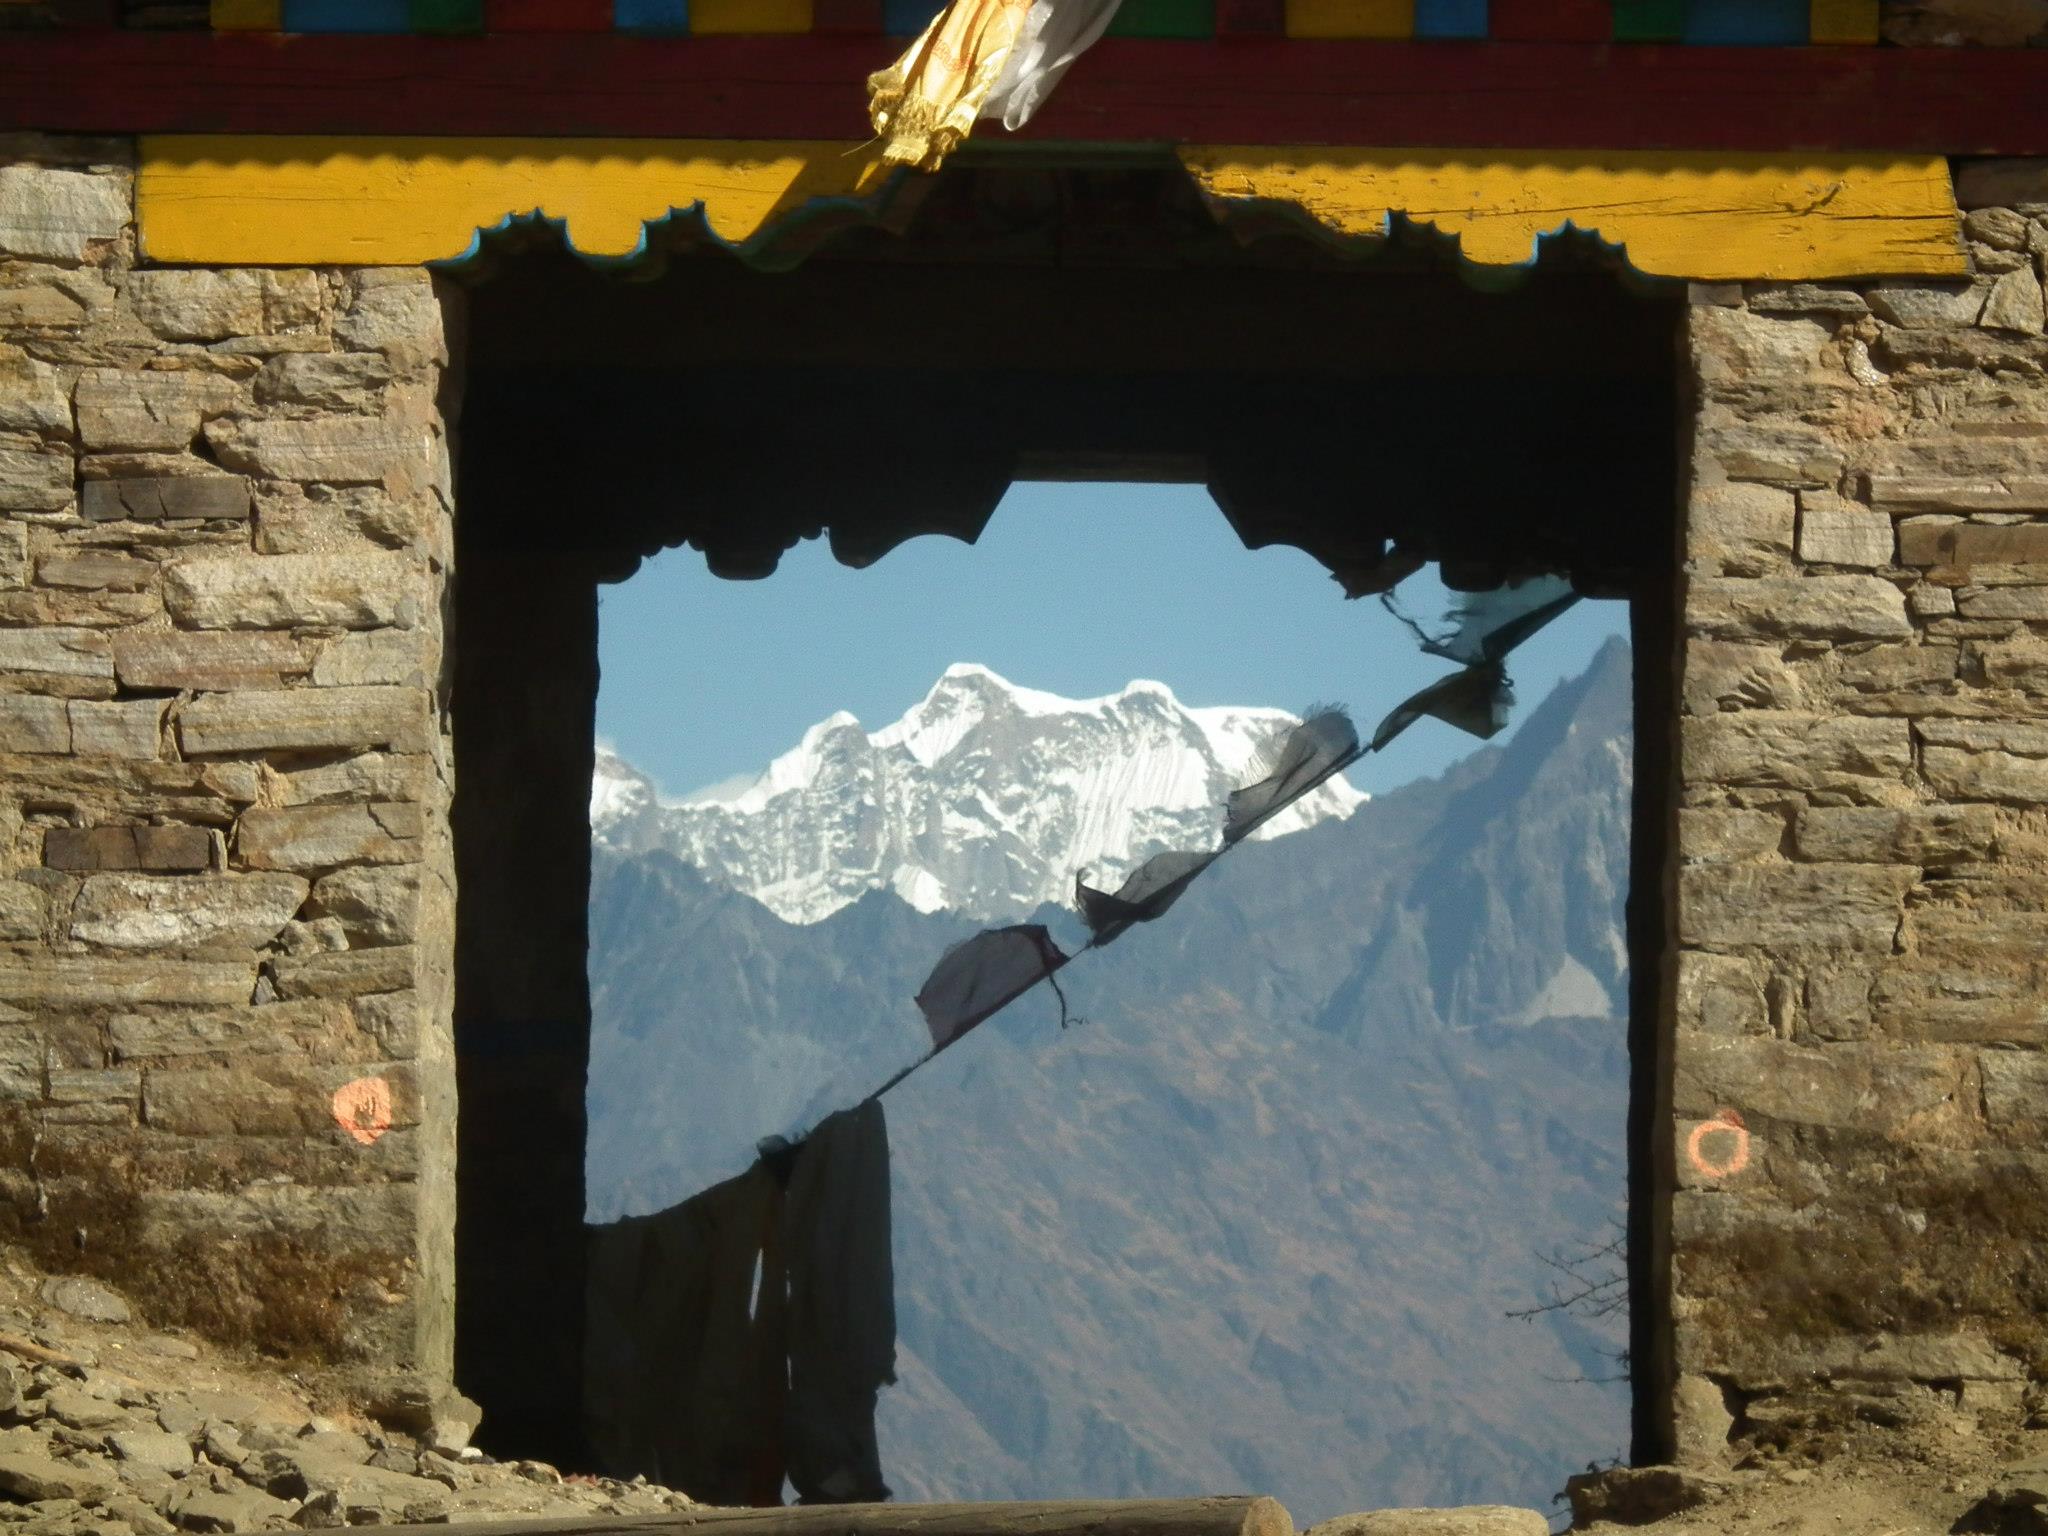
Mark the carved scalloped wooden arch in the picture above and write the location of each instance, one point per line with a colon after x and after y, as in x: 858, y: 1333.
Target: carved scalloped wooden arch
x: 235, y: 201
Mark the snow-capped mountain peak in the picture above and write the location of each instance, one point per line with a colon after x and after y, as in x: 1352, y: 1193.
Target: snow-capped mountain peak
x: 984, y: 798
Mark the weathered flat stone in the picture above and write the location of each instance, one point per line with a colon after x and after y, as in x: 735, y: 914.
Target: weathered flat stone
x: 208, y: 305
x: 1809, y: 607
x: 54, y: 215
x: 85, y: 980
x: 347, y: 973
x: 169, y: 850
x: 316, y: 1030
x: 207, y: 660
x: 1743, y: 529
x: 1781, y: 749
x: 2021, y: 663
x: 2017, y: 303
x: 2015, y: 1088
x: 1928, y: 306
x: 130, y: 728
x: 1728, y: 832
x: 83, y: 1296
x: 35, y: 1478
x: 378, y: 905
x: 119, y: 911
x: 394, y: 311
x: 1472, y: 1520
x: 1792, y: 906
x: 96, y: 570
x: 1904, y: 1357
x: 1993, y: 774
x: 395, y: 656
x: 1806, y: 299
x: 1775, y: 455
x: 35, y: 481
x: 198, y: 1508
x: 1836, y: 531
x: 34, y: 396
x: 368, y: 776
x: 1924, y: 835
x: 2029, y: 603
x: 121, y: 409
x: 209, y: 498
x: 32, y: 724
x: 1964, y: 544
x: 57, y: 652
x: 306, y: 717
x: 1723, y: 675
x: 1900, y: 495
x: 1902, y: 668
x: 331, y: 380
x: 275, y: 1098
x: 356, y: 591
x: 315, y: 837
x: 324, y: 450
x: 74, y: 1405
x: 152, y: 1448
x: 366, y: 1493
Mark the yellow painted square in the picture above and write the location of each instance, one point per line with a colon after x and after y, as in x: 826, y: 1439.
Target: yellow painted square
x: 1350, y: 18
x: 1844, y: 21
x: 248, y: 15
x: 750, y: 16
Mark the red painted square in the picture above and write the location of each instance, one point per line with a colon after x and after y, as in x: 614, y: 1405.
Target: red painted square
x: 547, y: 15
x: 863, y: 17
x: 1552, y: 21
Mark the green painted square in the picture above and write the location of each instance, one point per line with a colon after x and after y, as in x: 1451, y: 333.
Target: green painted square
x: 447, y: 15
x: 1649, y: 21
x: 1165, y: 18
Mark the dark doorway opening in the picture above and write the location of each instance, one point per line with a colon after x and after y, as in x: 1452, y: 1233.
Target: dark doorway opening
x: 1030, y: 324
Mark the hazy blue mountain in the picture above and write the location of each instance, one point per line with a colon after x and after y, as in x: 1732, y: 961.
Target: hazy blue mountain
x: 1255, y: 1221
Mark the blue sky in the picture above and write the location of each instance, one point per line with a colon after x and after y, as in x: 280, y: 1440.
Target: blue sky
x: 1076, y: 589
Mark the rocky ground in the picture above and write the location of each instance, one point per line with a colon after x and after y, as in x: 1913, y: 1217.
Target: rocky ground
x: 108, y: 1428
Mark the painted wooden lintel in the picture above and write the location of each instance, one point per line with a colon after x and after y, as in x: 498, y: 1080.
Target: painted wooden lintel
x: 403, y: 202
x: 1709, y: 218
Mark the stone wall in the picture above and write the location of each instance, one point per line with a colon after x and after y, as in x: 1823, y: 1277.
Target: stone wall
x: 1859, y: 1228
x: 226, y: 896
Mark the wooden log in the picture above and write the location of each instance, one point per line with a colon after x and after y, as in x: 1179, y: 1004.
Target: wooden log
x: 1233, y: 1516
x: 1233, y: 90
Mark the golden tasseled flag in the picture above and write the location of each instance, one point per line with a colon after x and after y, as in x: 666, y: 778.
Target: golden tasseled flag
x: 926, y: 102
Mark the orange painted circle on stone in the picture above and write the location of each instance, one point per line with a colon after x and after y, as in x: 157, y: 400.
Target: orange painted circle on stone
x: 1725, y: 1122
x: 363, y: 1108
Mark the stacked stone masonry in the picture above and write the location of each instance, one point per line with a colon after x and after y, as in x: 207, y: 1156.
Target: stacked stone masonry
x: 226, y: 905
x: 1860, y: 1064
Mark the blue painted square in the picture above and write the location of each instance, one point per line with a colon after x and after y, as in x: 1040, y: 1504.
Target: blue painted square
x: 1450, y: 18
x: 907, y: 18
x: 347, y: 15
x: 651, y: 15
x: 1749, y: 23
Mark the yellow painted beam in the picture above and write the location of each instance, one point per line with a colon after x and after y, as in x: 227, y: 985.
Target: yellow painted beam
x: 1350, y: 18
x: 247, y: 15
x: 1711, y: 218
x: 708, y: 17
x: 402, y: 202
x: 1844, y: 22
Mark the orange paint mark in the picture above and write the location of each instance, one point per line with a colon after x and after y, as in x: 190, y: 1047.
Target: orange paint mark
x: 1725, y: 1123
x: 363, y: 1108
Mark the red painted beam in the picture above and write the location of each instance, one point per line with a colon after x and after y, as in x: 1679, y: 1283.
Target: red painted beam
x: 1127, y: 90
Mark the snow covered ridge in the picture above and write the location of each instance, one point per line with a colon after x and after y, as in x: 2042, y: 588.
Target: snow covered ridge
x: 984, y: 799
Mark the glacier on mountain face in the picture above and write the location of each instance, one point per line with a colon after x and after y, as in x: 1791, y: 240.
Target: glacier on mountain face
x: 936, y: 808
